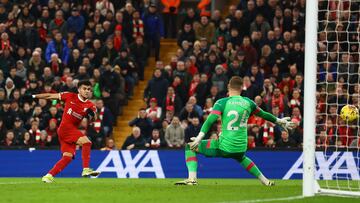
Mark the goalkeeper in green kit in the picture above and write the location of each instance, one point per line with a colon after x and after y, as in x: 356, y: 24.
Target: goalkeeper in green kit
x: 234, y: 112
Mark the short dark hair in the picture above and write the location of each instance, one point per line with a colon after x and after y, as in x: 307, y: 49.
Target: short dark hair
x: 84, y: 82
x: 235, y: 83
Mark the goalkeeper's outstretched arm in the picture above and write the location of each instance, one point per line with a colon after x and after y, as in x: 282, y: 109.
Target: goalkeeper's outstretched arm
x: 46, y: 96
x: 285, y: 123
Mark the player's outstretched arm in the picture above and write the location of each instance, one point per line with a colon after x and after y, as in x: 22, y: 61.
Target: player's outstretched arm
x: 285, y: 123
x: 46, y: 96
x: 204, y: 129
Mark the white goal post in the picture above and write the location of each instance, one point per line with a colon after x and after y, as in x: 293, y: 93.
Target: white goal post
x: 311, y: 186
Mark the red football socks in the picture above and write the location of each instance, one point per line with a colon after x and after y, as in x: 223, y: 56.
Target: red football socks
x: 60, y: 165
x: 85, y: 154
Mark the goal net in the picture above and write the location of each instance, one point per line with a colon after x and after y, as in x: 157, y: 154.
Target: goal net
x: 334, y: 164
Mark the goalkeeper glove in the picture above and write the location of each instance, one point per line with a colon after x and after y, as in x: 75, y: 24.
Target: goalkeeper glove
x: 285, y: 123
x: 90, y: 114
x: 196, y: 141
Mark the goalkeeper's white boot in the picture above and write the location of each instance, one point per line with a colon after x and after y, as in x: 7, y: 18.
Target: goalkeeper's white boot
x: 89, y: 172
x: 269, y: 183
x: 189, y: 181
x: 48, y: 178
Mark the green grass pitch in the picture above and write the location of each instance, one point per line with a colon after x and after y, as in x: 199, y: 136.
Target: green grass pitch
x: 108, y: 190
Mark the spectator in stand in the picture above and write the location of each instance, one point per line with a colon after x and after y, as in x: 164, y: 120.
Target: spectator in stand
x: 58, y: 24
x: 220, y: 78
x: 278, y: 100
x: 139, y: 52
x: 154, y: 28
x: 156, y: 87
x: 187, y: 33
x: 285, y: 141
x: 204, y: 29
x: 135, y: 140
x: 76, y: 22
x: 249, y: 90
x: 105, y: 119
x: 9, y: 140
x: 109, y: 145
x: 188, y: 113
x: 143, y: 122
x: 3, y: 130
x: 171, y: 99
x: 174, y: 134
x: 202, y: 89
x: 18, y: 130
x: 154, y: 112
x: 170, y: 12
x: 156, y: 141
x: 251, y: 55
x: 59, y: 46
x: 192, y: 129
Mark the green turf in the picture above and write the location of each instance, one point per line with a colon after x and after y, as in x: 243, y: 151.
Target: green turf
x: 66, y: 190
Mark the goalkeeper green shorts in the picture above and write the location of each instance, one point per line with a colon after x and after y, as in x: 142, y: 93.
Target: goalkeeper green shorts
x: 210, y: 148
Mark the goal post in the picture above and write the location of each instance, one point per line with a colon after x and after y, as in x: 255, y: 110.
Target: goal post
x: 338, y: 48
x: 311, y: 26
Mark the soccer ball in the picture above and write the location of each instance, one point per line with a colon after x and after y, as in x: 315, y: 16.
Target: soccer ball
x: 349, y: 113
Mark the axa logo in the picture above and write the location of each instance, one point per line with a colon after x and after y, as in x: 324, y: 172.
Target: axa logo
x: 125, y: 165
x: 329, y: 166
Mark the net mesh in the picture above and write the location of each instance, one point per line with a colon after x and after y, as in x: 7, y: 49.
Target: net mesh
x: 338, y: 84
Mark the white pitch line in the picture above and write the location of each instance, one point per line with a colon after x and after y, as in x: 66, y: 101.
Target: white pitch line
x: 267, y: 200
x: 17, y: 183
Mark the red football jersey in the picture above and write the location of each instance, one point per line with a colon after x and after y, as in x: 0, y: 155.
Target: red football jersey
x: 75, y: 109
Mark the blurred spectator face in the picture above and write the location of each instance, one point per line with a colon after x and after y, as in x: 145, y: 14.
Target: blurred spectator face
x: 42, y: 102
x: 258, y: 100
x: 157, y: 73
x: 9, y: 135
x: 277, y: 32
x: 204, y: 78
x: 296, y: 94
x: 6, y: 106
x: 76, y: 54
x: 139, y: 40
x: 345, y: 58
x: 284, y: 135
x: 16, y: 94
x: 214, y: 90
x: 189, y: 107
x: 209, y: 103
x: 69, y: 81
x: 36, y: 56
x: 187, y: 27
x: 297, y: 46
x: 109, y: 44
x: 53, y: 111
x: 254, y: 70
x: 99, y: 104
x: 82, y: 70
x: 59, y: 14
x: 190, y: 12
x: 180, y: 66
x: 47, y: 72
x: 9, y: 84
x: 195, y: 121
x: 204, y: 20
x: 271, y: 35
x: 278, y: 13
x: 52, y: 124
x: 12, y: 72
x: 96, y: 73
x: 293, y: 70
x: 259, y: 2
x: 142, y: 114
x: 136, y: 132
x: 234, y: 32
x: 54, y: 58
x: 152, y: 9
x: 259, y: 19
x: 155, y: 134
x: 246, y: 41
x: 275, y: 110
x: 238, y: 14
x: 277, y: 92
x: 216, y: 14
x: 296, y: 112
x: 159, y: 65
x: 246, y: 81
x: 110, y: 143
x: 192, y: 100
x: 177, y: 80
x: 175, y: 121
x: 250, y: 5
x: 232, y: 9
x: 287, y: 36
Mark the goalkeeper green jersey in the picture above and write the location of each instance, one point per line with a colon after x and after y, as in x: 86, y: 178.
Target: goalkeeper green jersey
x: 234, y: 112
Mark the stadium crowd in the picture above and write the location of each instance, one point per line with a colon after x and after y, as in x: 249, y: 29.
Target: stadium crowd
x: 48, y: 46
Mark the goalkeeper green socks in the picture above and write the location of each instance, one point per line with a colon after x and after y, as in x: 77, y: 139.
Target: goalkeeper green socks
x: 249, y: 165
x: 191, y: 162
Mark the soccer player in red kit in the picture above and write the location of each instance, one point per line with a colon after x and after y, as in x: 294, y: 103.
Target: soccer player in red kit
x: 77, y: 107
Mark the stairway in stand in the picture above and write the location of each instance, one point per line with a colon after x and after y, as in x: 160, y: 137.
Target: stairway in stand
x: 122, y: 129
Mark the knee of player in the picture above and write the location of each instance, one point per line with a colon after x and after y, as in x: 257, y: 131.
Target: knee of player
x: 68, y: 154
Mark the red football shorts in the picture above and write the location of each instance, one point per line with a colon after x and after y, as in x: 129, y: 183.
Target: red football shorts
x: 68, y: 138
